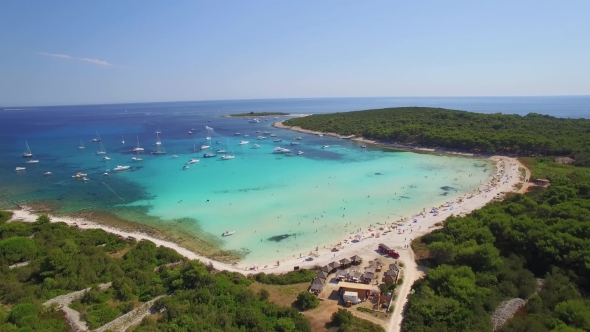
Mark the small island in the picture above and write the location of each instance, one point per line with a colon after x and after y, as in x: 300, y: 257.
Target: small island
x: 257, y: 114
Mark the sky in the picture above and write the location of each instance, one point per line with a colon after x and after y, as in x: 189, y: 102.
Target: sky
x: 95, y: 52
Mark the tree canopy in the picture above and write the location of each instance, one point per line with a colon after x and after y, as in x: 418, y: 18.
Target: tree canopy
x: 533, y: 134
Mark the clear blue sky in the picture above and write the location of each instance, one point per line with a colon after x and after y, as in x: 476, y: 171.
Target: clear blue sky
x: 78, y: 52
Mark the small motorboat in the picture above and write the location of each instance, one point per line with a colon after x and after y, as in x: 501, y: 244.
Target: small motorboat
x: 106, y: 158
x: 105, y: 174
x: 190, y: 132
x: 298, y: 138
x: 294, y: 143
x: 237, y: 134
x: 204, y: 147
x: 47, y: 173
x: 325, y: 146
x: 228, y: 233
x: 209, y: 155
x: 32, y: 161
x: 136, y: 159
x: 244, y: 142
x: 185, y: 167
x: 299, y: 153
x: 255, y: 146
x: 277, y: 140
x: 121, y: 168
x: 20, y: 169
x: 192, y: 161
x: 261, y: 137
x: 221, y: 151
x: 79, y: 175
x: 363, y: 146
x: 85, y: 179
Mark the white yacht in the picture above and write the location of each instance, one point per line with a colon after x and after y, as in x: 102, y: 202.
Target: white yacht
x: 204, y: 147
x: 280, y: 150
x: 246, y: 135
x: 121, y: 168
x: 32, y: 161
x: 255, y: 146
x: 254, y: 120
x: 299, y: 153
x: 185, y: 167
x: 298, y: 138
x: 47, y: 173
x: 244, y: 142
x: 266, y: 133
x: 85, y: 179
x: 325, y: 146
x: 228, y: 233
x: 158, y: 142
x: 277, y: 140
x: 20, y: 169
x: 273, y: 135
x: 79, y: 175
x: 221, y: 151
x: 229, y: 155
x: 81, y: 147
x: 138, y: 148
x: 105, y: 174
x: 190, y: 132
x: 193, y: 161
x: 28, y: 153
x: 237, y: 134
x: 258, y: 131
x: 106, y: 158
x: 102, y: 150
x: 136, y: 159
x: 294, y: 143
x: 261, y: 137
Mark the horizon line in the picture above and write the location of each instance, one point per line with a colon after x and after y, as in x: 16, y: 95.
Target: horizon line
x: 285, y: 98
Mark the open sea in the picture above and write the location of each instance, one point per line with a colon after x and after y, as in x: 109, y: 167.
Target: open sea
x: 277, y: 205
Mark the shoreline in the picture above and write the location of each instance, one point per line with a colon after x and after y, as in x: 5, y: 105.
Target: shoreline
x: 248, y: 116
x: 408, y: 147
x: 504, y: 179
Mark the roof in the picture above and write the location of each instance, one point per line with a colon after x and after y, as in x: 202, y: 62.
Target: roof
x: 356, y: 258
x: 391, y: 273
x: 369, y: 275
x: 384, y: 246
x: 341, y: 272
x: 326, y: 268
x: 344, y: 261
x: 394, y: 267
x: 316, y: 287
x: 370, y: 270
x: 322, y: 274
x: 350, y: 294
x: 334, y: 265
x: 353, y: 285
x: 318, y: 281
x: 355, y: 274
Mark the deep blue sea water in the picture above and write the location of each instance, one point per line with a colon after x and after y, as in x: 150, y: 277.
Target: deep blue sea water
x: 258, y: 194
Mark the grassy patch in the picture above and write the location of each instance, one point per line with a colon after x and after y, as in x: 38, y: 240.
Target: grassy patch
x: 283, y: 295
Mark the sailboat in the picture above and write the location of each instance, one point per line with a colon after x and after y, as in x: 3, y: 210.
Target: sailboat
x: 160, y: 149
x: 158, y: 142
x: 81, y: 147
x: 122, y: 140
x: 230, y: 155
x: 175, y: 155
x: 28, y: 153
x: 102, y: 150
x: 194, y: 159
x: 208, y: 133
x: 138, y: 148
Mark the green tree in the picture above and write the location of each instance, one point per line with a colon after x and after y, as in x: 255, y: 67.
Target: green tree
x: 307, y: 301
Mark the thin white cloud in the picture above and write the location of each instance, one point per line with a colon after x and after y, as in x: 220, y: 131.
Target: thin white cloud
x: 65, y: 56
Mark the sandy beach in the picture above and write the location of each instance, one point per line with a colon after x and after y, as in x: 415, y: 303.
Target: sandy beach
x: 505, y: 178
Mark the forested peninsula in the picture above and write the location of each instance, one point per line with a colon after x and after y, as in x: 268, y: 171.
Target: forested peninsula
x: 256, y: 114
x: 530, y: 135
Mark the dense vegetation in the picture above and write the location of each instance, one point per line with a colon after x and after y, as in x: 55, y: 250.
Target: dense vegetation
x: 64, y: 259
x: 307, y: 301
x: 289, y: 278
x: 258, y: 114
x: 494, y: 254
x: 344, y: 321
x: 533, y: 134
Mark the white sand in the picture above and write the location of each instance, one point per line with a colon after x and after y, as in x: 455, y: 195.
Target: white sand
x: 505, y: 168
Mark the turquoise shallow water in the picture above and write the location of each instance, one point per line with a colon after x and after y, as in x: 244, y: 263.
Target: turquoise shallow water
x: 277, y: 205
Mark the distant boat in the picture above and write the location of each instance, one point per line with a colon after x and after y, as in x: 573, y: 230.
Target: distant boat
x: 255, y: 146
x: 325, y: 146
x: 299, y: 153
x: 32, y: 161
x: 258, y: 131
x: 136, y: 159
x: 237, y: 134
x: 204, y: 147
x: 138, y: 148
x: 158, y: 142
x: 228, y: 233
x: 20, y: 169
x: 298, y: 138
x: 209, y: 129
x: 230, y: 155
x: 193, y: 161
x: 158, y: 131
x: 266, y: 133
x: 47, y: 173
x: 254, y: 120
x: 280, y: 150
x: 363, y: 146
x: 320, y: 135
x: 273, y: 135
x: 122, y: 140
x: 277, y: 140
x: 209, y: 155
x: 174, y: 155
x: 221, y: 151
x: 28, y: 153
x: 106, y: 158
x: 121, y: 168
x: 81, y: 147
x: 244, y: 142
x: 102, y: 149
x: 294, y: 143
x: 160, y: 149
x: 185, y: 167
x: 261, y: 137
x: 190, y: 132
x: 246, y: 135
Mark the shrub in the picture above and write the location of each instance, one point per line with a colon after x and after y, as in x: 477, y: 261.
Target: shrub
x: 307, y: 301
